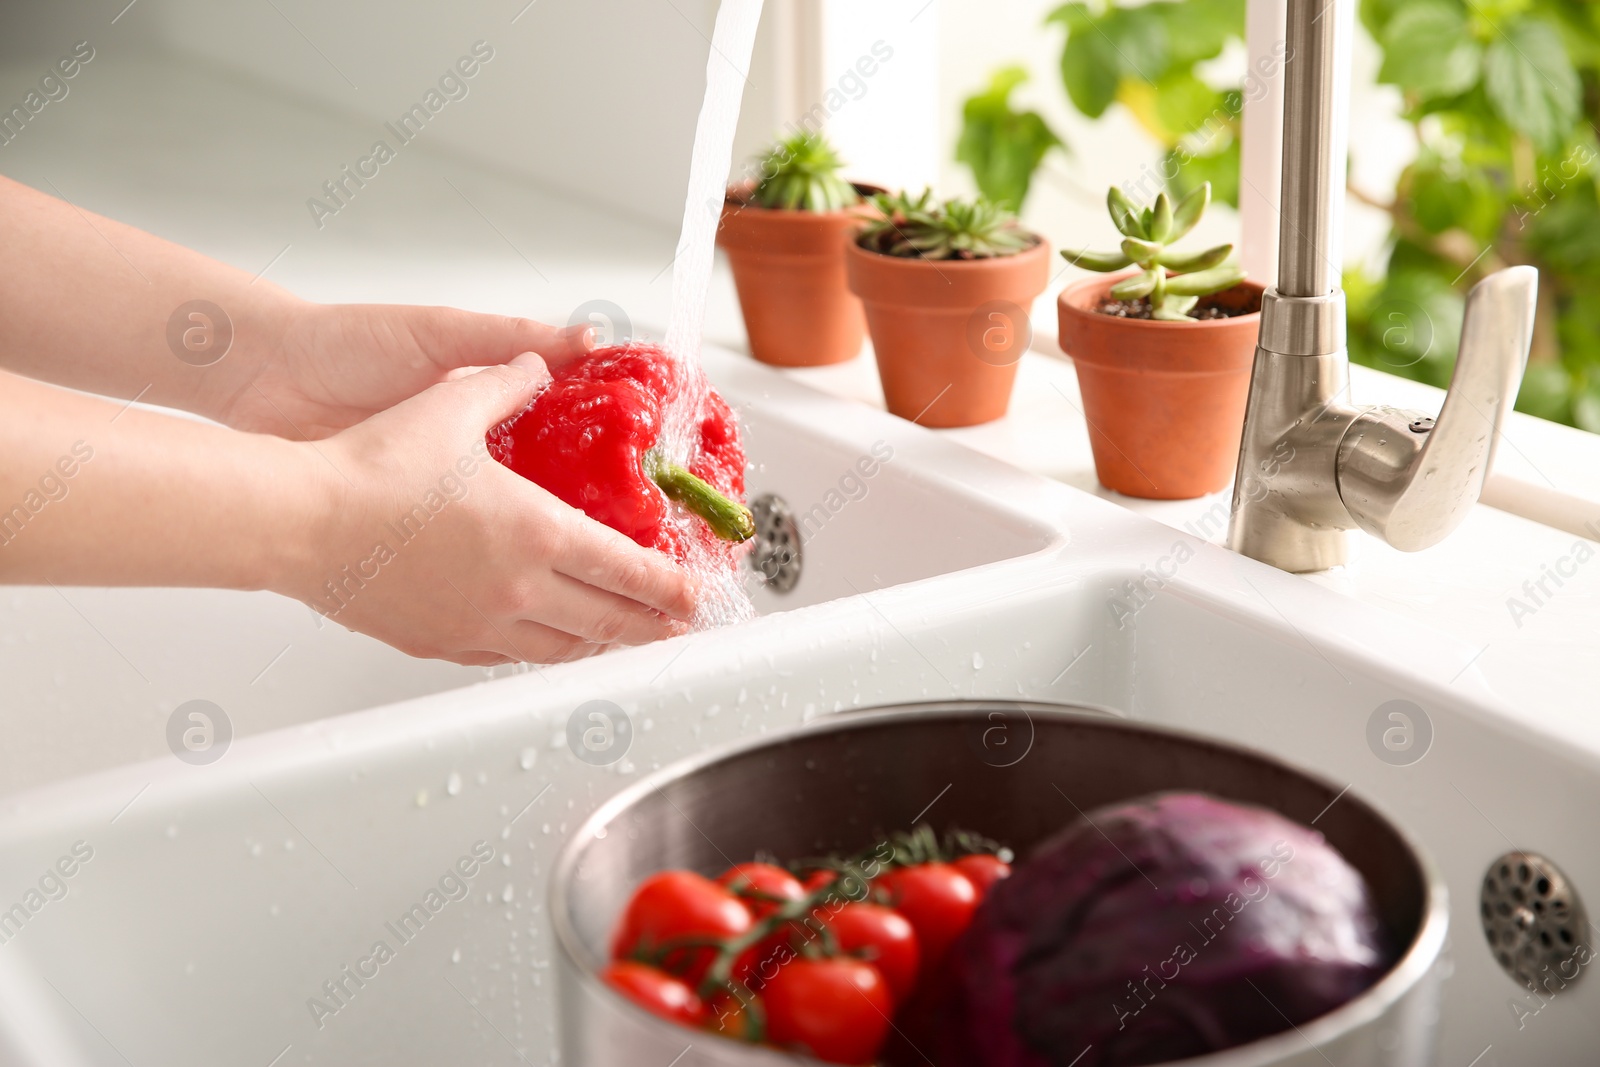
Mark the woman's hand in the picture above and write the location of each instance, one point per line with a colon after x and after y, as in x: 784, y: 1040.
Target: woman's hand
x: 289, y: 367
x: 429, y: 544
x: 337, y: 364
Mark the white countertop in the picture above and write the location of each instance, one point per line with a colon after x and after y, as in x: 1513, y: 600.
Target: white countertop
x: 1460, y: 587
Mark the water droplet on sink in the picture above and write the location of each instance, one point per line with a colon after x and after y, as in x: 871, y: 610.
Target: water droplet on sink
x: 977, y: 661
x: 482, y: 778
x: 255, y: 848
x: 530, y: 756
x: 452, y: 784
x: 505, y: 857
x: 455, y: 957
x: 422, y: 798
x: 506, y: 894
x: 599, y: 832
x: 288, y: 844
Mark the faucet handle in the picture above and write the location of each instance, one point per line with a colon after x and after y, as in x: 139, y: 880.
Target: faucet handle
x: 1410, y: 479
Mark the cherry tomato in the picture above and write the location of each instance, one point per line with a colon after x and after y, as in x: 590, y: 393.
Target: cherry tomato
x: 983, y: 870
x: 730, y: 1016
x: 674, y: 905
x: 758, y: 964
x: 937, y: 899
x: 848, y: 889
x: 882, y: 937
x: 772, y: 881
x: 836, y: 1009
x: 656, y: 992
x: 817, y: 879
x: 765, y: 879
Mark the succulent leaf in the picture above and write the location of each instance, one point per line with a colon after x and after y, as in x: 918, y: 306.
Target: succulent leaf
x: 1180, y: 264
x: 1189, y: 210
x: 1141, y: 252
x: 1141, y: 284
x: 1202, y: 283
x: 1175, y: 308
x: 1123, y: 214
x: 1161, y: 218
x: 1100, y: 261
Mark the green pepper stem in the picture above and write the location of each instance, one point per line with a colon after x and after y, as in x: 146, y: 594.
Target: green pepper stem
x: 728, y: 519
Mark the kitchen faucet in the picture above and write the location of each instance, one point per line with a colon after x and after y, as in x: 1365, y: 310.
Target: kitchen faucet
x: 1313, y: 467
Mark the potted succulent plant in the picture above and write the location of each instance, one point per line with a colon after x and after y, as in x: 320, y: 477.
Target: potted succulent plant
x: 947, y: 288
x: 785, y: 234
x: 1163, y: 353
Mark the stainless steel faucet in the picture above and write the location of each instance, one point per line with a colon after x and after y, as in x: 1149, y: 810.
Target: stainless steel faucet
x: 1313, y: 467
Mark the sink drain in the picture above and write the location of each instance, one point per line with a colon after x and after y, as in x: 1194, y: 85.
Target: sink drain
x: 1533, y: 919
x: 776, y: 557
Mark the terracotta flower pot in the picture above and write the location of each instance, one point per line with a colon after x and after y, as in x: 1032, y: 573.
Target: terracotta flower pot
x: 1164, y: 400
x: 788, y: 267
x: 948, y: 333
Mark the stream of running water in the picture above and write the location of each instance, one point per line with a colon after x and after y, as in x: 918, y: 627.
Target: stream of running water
x: 723, y: 596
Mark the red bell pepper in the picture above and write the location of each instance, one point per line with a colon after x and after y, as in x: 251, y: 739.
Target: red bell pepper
x: 593, y: 439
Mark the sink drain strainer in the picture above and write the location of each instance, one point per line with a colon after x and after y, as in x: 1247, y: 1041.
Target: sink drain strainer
x: 777, y: 552
x: 1533, y: 919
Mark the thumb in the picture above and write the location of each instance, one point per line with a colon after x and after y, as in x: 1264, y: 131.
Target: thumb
x: 488, y: 397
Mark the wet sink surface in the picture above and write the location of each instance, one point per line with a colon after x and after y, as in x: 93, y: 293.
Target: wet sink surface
x: 100, y: 670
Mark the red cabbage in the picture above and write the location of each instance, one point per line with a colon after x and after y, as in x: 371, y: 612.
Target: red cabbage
x: 1158, y: 929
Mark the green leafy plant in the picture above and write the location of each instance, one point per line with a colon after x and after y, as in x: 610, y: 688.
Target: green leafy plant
x: 802, y: 173
x: 924, y: 228
x: 1503, y: 97
x: 1173, y: 282
x: 1145, y: 58
x: 1003, y: 146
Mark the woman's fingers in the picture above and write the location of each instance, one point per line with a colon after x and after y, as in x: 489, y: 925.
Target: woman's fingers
x: 455, y: 338
x: 600, y: 556
x: 604, y: 618
x: 481, y: 659
x: 534, y: 642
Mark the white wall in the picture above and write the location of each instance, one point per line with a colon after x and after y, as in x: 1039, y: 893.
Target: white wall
x: 597, y: 98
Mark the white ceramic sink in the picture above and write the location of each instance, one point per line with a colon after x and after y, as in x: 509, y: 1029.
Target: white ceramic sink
x: 219, y: 899
x: 100, y: 670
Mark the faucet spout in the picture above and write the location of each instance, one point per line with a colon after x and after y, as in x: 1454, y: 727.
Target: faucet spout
x: 1313, y: 468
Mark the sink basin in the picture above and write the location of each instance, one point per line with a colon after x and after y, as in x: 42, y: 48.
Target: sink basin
x: 100, y: 670
x: 219, y: 906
